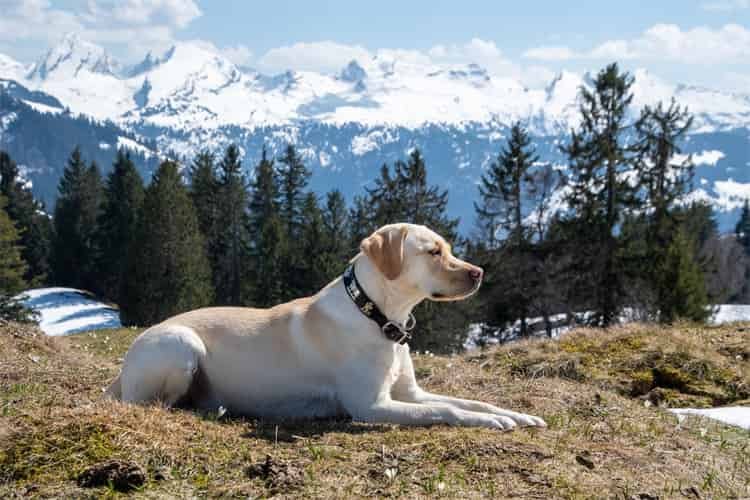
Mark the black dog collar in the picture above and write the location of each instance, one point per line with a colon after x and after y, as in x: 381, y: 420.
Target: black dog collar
x: 393, y: 331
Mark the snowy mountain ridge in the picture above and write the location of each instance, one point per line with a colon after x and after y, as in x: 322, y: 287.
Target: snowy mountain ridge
x: 192, y: 86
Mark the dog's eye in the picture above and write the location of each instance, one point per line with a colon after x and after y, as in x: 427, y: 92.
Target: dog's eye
x: 435, y: 251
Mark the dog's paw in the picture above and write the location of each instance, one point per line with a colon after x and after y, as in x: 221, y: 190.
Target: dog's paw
x: 528, y: 420
x: 473, y: 419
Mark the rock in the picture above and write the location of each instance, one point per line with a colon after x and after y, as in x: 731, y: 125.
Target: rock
x: 585, y: 460
x: 122, y: 475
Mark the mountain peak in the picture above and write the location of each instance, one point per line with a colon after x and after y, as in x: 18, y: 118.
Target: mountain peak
x: 71, y: 55
x: 353, y: 72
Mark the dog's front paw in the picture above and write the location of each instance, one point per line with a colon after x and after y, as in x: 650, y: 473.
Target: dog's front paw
x: 528, y: 420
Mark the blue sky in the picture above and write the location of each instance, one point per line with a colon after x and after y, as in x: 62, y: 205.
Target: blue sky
x: 704, y: 42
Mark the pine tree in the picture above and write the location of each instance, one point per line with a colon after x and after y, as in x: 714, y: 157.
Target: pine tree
x: 204, y: 192
x: 268, y: 244
x: 12, y: 269
x: 665, y: 181
x: 384, y: 200
x: 312, y: 273
x: 361, y: 223
x: 293, y: 179
x: 33, y: 225
x: 680, y: 283
x: 742, y: 229
x: 12, y: 265
x: 74, y: 250
x: 123, y: 196
x: 422, y: 203
x: 168, y: 272
x: 336, y: 233
x: 505, y: 191
x: 232, y: 238
x: 600, y: 160
x: 505, y: 187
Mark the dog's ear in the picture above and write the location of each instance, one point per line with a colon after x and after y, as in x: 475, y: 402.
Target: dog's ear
x: 385, y: 247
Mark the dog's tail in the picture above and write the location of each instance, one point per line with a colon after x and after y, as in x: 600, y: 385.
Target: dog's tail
x: 114, y: 391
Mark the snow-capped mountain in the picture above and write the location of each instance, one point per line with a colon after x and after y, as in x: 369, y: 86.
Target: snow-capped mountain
x: 192, y: 97
x: 192, y: 86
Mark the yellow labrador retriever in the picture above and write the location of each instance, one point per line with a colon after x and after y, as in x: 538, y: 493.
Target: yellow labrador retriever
x: 340, y: 352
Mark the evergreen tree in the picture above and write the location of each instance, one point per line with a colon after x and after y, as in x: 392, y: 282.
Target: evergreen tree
x: 505, y: 190
x: 231, y: 250
x: 12, y: 269
x: 33, y: 225
x: 383, y: 202
x: 293, y: 179
x: 336, y: 233
x: 312, y: 274
x: 600, y: 161
x: 361, y: 222
x: 168, y: 272
x: 742, y: 229
x: 123, y: 196
x: 204, y: 187
x: 74, y: 250
x: 664, y: 182
x: 268, y: 243
x: 12, y: 265
x: 422, y: 203
x: 680, y: 283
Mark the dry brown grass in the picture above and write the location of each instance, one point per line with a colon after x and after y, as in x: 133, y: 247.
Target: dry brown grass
x: 602, y: 440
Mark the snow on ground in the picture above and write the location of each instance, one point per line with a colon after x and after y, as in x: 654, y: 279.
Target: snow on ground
x: 63, y: 311
x: 127, y: 143
x: 731, y: 415
x: 730, y: 313
x: 42, y: 108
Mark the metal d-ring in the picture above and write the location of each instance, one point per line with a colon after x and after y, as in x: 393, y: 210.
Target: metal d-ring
x: 411, y: 322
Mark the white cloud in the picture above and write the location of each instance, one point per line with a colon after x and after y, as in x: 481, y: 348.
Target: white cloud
x: 726, y: 5
x: 132, y: 25
x: 665, y: 42
x: 550, y: 53
x: 238, y: 54
x: 482, y: 52
x: 175, y: 13
x: 35, y: 20
x: 330, y: 57
x: 324, y: 56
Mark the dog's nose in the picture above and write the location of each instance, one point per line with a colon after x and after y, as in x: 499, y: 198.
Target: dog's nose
x: 476, y: 273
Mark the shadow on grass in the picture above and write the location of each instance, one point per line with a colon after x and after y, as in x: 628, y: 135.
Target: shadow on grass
x: 291, y: 429
x: 275, y: 431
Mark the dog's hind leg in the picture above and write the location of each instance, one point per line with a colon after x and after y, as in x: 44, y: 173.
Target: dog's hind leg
x: 161, y: 365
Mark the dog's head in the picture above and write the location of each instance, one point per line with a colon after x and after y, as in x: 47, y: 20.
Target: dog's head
x: 414, y: 257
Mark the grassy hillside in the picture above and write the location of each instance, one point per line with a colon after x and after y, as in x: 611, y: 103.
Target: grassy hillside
x: 600, y: 392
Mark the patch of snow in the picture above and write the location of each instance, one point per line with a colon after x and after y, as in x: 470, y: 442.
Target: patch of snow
x: 730, y: 313
x: 127, y: 143
x: 708, y: 158
x: 731, y: 415
x: 63, y: 311
x: 42, y: 108
x: 105, y: 146
x: 731, y: 194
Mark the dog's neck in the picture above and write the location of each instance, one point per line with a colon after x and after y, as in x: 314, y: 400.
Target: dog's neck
x: 394, y: 300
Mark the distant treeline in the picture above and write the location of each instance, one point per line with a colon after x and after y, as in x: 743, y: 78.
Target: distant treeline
x: 207, y: 234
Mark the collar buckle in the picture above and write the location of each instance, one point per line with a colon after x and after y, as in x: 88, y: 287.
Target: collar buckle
x: 389, y: 326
